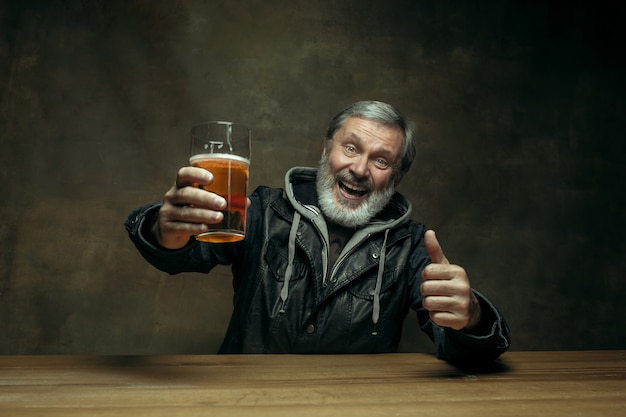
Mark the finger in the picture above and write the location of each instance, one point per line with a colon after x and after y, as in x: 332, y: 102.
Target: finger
x: 434, y: 249
x: 191, y: 176
x: 440, y: 285
x: 189, y: 214
x: 451, y: 303
x: 447, y: 319
x: 437, y: 303
x: 444, y: 272
x: 446, y: 311
x: 183, y: 228
x: 197, y: 197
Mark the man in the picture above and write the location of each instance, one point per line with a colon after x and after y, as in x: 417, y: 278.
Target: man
x: 332, y: 263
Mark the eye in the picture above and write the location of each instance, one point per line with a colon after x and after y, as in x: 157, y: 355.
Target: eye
x: 381, y: 163
x: 350, y: 149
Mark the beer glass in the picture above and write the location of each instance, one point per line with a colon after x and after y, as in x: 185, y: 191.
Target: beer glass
x: 223, y: 148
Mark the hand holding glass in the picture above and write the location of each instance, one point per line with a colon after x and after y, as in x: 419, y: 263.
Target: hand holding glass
x: 223, y: 148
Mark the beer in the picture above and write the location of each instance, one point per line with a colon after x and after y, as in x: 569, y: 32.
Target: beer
x: 230, y: 180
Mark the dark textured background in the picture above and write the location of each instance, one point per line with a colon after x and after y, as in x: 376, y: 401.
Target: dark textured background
x: 520, y: 110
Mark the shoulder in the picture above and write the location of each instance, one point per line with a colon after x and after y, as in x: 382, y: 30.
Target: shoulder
x: 264, y: 197
x: 265, y: 194
x: 410, y: 231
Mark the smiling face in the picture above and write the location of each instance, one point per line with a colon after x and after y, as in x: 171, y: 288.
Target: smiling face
x: 358, y: 172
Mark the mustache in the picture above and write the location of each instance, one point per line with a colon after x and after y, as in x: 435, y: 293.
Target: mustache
x: 346, y: 176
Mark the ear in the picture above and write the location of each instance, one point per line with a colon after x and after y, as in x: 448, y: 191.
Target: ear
x: 324, y: 149
x: 398, y: 177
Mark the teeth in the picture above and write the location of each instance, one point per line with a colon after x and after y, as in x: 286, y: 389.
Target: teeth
x: 353, y: 188
x: 353, y: 191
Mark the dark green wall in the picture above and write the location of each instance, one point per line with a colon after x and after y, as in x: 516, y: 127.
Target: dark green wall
x: 520, y: 110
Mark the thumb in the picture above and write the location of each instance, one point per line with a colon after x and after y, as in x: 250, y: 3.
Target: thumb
x: 434, y: 248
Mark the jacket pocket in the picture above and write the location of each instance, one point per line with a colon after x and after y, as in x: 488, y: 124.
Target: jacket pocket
x: 277, y: 260
x: 364, y: 287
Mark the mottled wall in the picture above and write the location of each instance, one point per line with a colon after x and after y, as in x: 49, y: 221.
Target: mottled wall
x: 520, y: 109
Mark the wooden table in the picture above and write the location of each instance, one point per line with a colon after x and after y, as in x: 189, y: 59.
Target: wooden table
x: 591, y: 383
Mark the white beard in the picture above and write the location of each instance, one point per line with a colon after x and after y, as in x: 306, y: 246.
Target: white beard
x: 346, y: 213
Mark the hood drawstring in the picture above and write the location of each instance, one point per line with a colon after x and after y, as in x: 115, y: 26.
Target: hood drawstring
x: 284, y: 292
x: 379, y: 284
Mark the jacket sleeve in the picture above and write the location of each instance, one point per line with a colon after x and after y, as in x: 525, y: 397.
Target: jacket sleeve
x: 194, y: 257
x: 485, y: 344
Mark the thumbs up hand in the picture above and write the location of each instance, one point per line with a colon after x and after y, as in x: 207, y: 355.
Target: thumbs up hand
x: 446, y: 290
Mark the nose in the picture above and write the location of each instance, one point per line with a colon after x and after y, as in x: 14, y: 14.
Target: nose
x: 360, y: 167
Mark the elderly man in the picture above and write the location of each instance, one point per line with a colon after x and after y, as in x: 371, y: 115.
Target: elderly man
x: 332, y: 263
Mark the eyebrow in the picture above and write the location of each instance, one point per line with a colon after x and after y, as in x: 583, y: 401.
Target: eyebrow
x: 383, y: 151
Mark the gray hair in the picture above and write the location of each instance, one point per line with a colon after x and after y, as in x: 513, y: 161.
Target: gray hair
x: 382, y: 113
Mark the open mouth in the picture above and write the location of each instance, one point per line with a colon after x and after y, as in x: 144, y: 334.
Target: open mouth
x: 351, y: 191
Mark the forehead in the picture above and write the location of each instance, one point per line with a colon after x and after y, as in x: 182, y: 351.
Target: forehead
x: 370, y: 133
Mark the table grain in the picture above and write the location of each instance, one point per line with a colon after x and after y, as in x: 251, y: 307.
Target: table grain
x: 576, y: 383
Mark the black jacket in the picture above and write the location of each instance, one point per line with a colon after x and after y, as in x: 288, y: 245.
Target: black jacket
x: 286, y: 301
